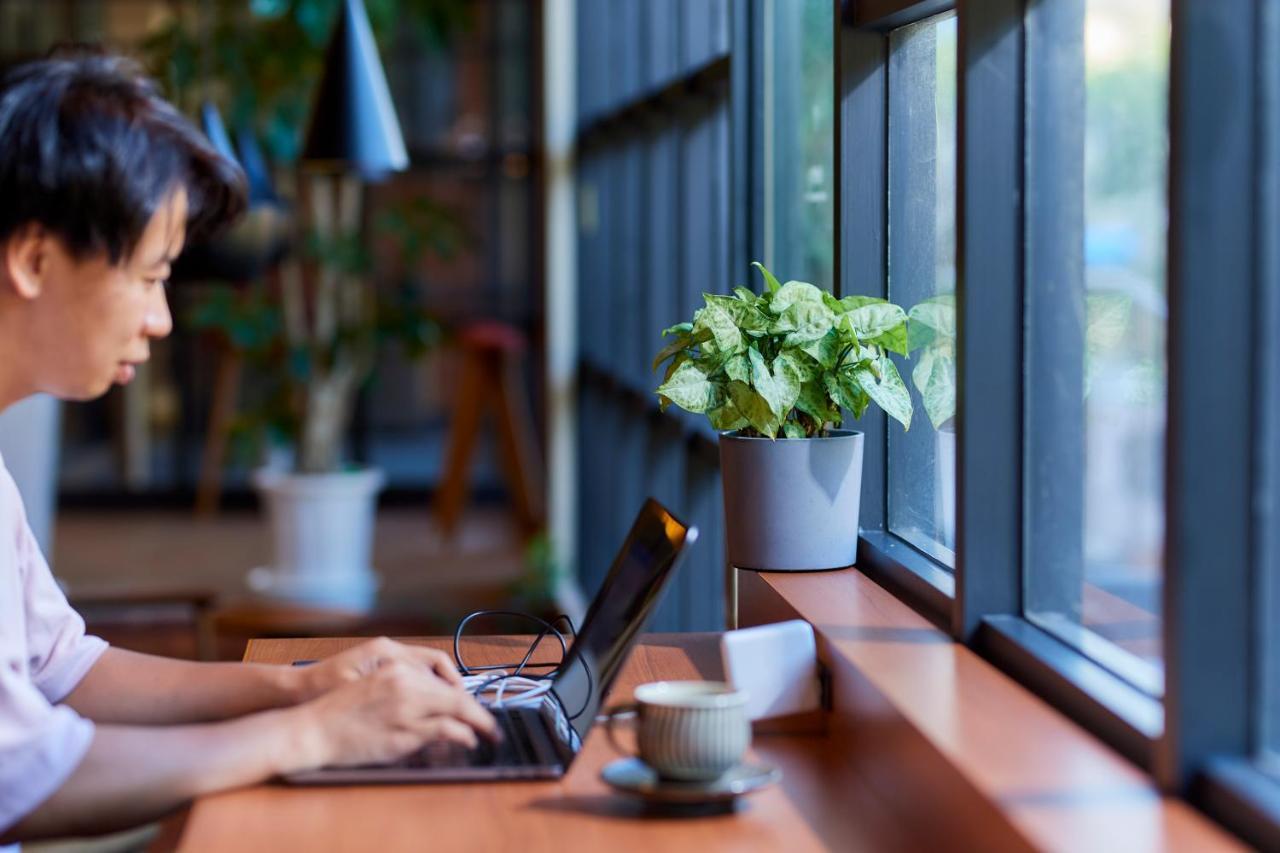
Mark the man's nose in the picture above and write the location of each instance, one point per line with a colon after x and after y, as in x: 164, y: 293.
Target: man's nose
x: 158, y: 322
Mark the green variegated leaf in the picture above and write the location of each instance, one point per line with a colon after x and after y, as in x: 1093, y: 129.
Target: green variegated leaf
x: 690, y: 389
x: 678, y: 329
x: 724, y: 331
x: 682, y: 341
x: 848, y: 303
x: 754, y: 408
x: 712, y: 363
x: 738, y: 368
x: 748, y: 296
x: 726, y: 417
x: 815, y: 402
x: 779, y: 387
x: 894, y: 340
x: 843, y: 389
x: 825, y: 351
x: 791, y: 293
x: 884, y: 385
x: 860, y: 403
x: 801, y: 365
x: 672, y: 347
x: 808, y: 322
x: 746, y: 316
x: 681, y: 358
x: 791, y: 429
x: 857, y: 300
x: 769, y: 280
x: 871, y: 321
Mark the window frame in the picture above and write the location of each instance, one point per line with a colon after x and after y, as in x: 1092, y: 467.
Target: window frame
x: 1221, y: 498
x: 862, y: 266
x: 981, y: 603
x: 1221, y: 490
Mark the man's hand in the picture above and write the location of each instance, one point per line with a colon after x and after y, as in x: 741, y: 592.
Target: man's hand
x: 388, y: 713
x: 363, y: 660
x: 136, y: 773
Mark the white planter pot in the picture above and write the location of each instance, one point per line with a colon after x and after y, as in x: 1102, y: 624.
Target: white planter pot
x: 791, y: 504
x: 321, y: 535
x: 30, y: 437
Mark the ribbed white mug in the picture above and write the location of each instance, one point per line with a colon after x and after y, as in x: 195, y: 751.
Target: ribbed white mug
x: 688, y: 730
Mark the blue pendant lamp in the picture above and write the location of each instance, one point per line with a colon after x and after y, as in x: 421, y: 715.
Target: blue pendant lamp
x: 353, y: 126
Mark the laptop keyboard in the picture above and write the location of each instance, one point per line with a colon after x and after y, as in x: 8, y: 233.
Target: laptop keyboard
x: 521, y: 737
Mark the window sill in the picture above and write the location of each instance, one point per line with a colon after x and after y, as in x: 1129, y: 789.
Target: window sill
x: 969, y: 726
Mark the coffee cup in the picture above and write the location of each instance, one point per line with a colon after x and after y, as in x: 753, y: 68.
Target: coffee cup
x: 687, y: 730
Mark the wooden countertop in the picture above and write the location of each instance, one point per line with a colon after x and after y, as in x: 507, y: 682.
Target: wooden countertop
x: 812, y: 809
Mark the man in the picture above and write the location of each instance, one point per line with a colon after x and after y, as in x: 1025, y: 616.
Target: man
x: 100, y: 181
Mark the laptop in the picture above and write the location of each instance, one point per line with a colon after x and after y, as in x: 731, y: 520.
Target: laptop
x: 542, y: 738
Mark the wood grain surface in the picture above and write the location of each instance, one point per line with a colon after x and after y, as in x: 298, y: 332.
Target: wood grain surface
x: 808, y: 811
x: 965, y: 735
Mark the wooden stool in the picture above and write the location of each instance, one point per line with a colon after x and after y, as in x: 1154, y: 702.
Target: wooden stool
x: 490, y: 378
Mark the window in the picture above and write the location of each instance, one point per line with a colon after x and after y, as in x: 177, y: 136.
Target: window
x: 922, y: 272
x: 1095, y: 388
x: 797, y: 139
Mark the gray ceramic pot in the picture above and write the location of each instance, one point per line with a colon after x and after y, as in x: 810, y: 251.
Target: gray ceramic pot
x: 791, y: 504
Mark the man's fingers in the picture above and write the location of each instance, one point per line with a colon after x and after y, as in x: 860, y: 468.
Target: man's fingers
x: 438, y: 662
x: 448, y: 729
x: 466, y: 708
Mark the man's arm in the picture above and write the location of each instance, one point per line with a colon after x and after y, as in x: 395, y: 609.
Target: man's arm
x: 129, y: 688
x: 132, y: 774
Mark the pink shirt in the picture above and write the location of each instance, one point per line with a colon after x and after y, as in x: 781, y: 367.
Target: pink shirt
x: 44, y: 653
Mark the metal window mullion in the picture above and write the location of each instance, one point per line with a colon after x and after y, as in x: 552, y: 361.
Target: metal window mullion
x: 862, y: 241
x: 1267, y: 501
x: 1213, y: 366
x: 989, y: 313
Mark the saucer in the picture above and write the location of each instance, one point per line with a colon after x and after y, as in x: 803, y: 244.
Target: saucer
x: 635, y: 777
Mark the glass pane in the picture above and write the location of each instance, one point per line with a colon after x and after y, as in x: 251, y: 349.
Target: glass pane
x: 1096, y: 315
x: 922, y: 271
x: 1270, y: 659
x: 798, y: 139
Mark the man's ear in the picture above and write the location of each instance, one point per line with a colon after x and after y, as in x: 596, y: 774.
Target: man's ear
x: 26, y: 260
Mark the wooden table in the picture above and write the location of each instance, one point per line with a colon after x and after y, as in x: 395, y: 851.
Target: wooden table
x: 807, y: 811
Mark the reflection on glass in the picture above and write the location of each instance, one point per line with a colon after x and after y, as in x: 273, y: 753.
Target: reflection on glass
x: 798, y: 139
x: 1271, y: 672
x: 1096, y: 336
x: 922, y: 272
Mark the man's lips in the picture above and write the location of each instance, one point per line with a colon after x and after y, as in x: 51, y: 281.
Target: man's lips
x: 125, y: 372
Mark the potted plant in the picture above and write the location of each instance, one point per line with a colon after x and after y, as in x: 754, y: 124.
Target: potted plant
x: 295, y: 409
x: 772, y: 373
x: 311, y: 336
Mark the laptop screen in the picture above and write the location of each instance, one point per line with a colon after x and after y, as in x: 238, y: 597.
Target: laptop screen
x: 618, y: 613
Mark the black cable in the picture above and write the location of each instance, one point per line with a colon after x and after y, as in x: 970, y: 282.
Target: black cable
x: 547, y: 627
x: 517, y: 669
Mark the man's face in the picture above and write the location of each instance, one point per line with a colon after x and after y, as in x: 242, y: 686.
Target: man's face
x: 93, y: 322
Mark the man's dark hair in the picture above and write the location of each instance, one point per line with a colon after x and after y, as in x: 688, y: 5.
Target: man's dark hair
x: 90, y: 151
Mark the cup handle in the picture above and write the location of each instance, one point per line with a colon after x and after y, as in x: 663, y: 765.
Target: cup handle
x: 611, y: 717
